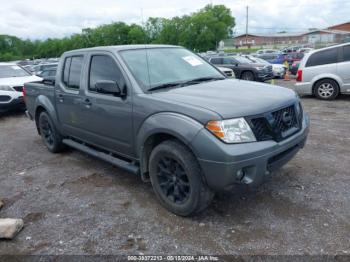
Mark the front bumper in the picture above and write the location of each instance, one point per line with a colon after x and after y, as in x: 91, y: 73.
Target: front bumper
x: 14, y: 104
x: 264, y: 76
x: 222, y: 164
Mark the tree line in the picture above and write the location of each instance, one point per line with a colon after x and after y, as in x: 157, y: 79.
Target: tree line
x: 199, y: 31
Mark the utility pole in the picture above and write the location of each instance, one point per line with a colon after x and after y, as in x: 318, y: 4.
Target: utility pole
x: 246, y: 27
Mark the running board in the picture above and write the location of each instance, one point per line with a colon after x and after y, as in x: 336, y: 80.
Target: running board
x: 103, y: 156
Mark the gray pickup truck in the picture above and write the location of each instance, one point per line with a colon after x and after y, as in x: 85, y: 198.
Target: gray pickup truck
x: 168, y: 115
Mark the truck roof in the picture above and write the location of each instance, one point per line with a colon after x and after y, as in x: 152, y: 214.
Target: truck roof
x: 118, y: 48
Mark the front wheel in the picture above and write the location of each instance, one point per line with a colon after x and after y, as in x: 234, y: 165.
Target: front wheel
x: 49, y: 134
x: 247, y: 75
x: 177, y: 180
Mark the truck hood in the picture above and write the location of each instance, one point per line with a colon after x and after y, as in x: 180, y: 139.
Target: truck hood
x: 18, y: 81
x: 231, y: 98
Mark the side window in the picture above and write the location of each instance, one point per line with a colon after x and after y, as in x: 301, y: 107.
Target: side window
x: 75, y: 72
x: 346, y: 53
x: 227, y: 61
x: 66, y: 70
x: 216, y: 61
x: 323, y: 57
x: 103, y: 67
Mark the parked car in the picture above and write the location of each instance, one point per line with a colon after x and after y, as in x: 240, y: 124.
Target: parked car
x: 227, y: 71
x: 41, y: 67
x: 170, y: 117
x: 12, y: 79
x: 278, y: 70
x: 29, y: 69
x: 244, y: 68
x: 305, y: 50
x: 294, y: 68
x: 295, y: 57
x: 325, y: 72
x: 48, y: 74
x: 273, y: 58
x: 266, y: 51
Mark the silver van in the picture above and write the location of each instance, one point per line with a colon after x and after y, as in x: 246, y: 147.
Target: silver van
x: 325, y: 72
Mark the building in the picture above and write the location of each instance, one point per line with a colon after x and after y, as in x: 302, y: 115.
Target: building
x: 334, y: 34
x: 342, y: 27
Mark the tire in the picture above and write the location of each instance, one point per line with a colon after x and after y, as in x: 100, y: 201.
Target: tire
x: 173, y: 166
x: 49, y: 134
x: 326, y: 89
x: 247, y: 75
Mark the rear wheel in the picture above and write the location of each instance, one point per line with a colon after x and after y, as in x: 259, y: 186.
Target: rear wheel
x: 49, y: 134
x: 177, y: 180
x: 247, y: 75
x: 326, y: 89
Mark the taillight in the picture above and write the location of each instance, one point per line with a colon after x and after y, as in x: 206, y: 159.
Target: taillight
x: 300, y: 75
x: 24, y: 92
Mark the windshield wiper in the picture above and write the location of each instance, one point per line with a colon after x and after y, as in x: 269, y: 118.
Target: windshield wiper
x: 201, y: 79
x: 185, y: 83
x: 166, y: 85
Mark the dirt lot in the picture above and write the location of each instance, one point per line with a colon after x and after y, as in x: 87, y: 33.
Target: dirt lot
x: 74, y: 204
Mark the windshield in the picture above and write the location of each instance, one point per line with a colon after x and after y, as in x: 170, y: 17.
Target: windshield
x: 242, y: 60
x: 158, y: 66
x: 12, y: 71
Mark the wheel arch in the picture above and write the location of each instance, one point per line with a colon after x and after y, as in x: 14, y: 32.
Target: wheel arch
x: 43, y: 103
x: 162, y: 127
x: 325, y: 78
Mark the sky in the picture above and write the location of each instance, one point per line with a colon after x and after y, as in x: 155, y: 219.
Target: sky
x: 41, y: 19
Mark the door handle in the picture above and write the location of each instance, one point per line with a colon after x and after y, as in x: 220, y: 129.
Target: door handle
x: 60, y: 97
x: 87, y: 102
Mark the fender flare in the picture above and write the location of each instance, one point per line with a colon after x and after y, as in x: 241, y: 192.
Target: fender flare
x: 176, y: 125
x: 44, y: 102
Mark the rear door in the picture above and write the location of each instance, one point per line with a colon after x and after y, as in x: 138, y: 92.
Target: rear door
x: 343, y: 67
x: 67, y: 94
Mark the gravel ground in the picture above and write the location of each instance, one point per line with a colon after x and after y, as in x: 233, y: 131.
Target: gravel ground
x: 74, y: 204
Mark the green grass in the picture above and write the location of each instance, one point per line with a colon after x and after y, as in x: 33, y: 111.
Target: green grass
x: 241, y: 50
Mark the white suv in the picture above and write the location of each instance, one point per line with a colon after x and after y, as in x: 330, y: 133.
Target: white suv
x: 12, y: 78
x: 325, y: 73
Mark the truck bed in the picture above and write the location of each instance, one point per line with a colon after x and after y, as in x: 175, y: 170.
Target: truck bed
x: 35, y: 89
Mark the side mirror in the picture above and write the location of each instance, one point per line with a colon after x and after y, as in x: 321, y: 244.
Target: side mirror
x: 108, y: 87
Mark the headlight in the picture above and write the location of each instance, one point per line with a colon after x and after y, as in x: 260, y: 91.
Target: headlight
x: 259, y: 68
x: 232, y: 130
x: 6, y: 88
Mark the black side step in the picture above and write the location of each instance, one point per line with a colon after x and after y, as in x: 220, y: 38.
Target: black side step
x: 103, y: 156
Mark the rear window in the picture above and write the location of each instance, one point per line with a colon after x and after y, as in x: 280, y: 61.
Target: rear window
x: 325, y: 57
x: 346, y: 53
x: 72, y: 71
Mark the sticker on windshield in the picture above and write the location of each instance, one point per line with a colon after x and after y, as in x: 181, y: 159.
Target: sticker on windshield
x: 16, y: 67
x: 192, y: 60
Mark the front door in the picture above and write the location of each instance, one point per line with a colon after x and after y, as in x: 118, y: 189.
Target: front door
x: 107, y: 119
